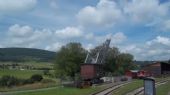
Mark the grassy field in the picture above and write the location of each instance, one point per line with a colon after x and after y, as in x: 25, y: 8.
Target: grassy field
x: 38, y: 64
x: 20, y: 73
x: 26, y: 87
x: 76, y: 91
x: 31, y: 63
x: 163, y: 89
x: 128, y: 88
x: 61, y: 91
x: 26, y: 74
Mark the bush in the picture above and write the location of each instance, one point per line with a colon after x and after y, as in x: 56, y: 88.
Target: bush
x: 27, y: 81
x: 9, y: 81
x: 36, y: 78
x: 46, y: 72
x: 47, y: 81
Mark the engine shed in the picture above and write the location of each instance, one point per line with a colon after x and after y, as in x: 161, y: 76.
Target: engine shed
x: 158, y: 68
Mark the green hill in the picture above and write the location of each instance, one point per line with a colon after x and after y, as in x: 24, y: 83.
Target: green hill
x: 25, y: 54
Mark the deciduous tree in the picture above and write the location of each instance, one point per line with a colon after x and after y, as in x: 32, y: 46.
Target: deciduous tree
x: 68, y: 59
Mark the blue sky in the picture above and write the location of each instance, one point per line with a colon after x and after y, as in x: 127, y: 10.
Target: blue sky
x: 139, y: 27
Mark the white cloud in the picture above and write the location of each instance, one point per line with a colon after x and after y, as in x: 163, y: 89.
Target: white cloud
x: 134, y: 50
x: 119, y: 37
x: 89, y: 46
x: 116, y: 39
x: 25, y: 36
x: 69, y: 32
x: 106, y: 13
x: 131, y: 48
x: 54, y: 47
x: 156, y: 49
x: 159, y: 40
x: 146, y: 11
x: 109, y: 12
x: 18, y: 31
x: 12, y: 6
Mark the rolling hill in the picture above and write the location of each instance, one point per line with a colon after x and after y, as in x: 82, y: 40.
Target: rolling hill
x: 25, y: 54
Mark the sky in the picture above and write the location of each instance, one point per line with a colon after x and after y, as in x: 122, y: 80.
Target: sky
x: 139, y: 27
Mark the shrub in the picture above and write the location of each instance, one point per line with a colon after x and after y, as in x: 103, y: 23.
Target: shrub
x: 27, y: 81
x: 9, y: 81
x: 47, y: 81
x: 36, y: 78
x: 46, y: 72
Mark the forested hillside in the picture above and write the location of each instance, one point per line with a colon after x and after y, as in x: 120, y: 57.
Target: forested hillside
x: 25, y: 54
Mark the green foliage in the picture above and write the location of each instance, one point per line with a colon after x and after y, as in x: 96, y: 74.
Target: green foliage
x: 24, y: 74
x: 68, y: 59
x: 36, y: 78
x: 46, y: 72
x: 116, y: 62
x: 124, y: 62
x: 25, y: 54
x: 9, y: 81
x: 47, y: 81
x: 110, y: 65
x: 27, y: 81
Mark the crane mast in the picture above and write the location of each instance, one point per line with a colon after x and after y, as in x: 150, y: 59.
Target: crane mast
x: 100, y: 56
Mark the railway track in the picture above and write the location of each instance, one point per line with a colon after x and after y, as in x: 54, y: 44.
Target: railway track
x: 110, y: 89
x: 140, y: 91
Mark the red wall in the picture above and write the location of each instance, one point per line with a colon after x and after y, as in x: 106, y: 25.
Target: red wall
x: 87, y: 71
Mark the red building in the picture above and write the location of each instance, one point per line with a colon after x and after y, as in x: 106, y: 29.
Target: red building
x: 142, y: 74
x: 131, y: 73
x: 91, y: 71
x: 137, y: 73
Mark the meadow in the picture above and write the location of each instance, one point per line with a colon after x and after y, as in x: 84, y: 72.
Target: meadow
x: 163, y: 89
x: 24, y: 74
x: 61, y: 91
x: 128, y: 87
